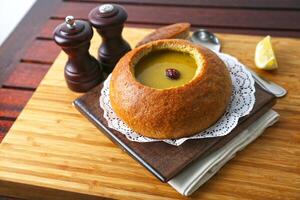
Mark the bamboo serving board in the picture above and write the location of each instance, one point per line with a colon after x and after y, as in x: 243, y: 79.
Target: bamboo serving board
x: 53, y: 152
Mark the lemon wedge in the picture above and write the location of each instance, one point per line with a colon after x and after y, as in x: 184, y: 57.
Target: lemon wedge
x: 264, y: 55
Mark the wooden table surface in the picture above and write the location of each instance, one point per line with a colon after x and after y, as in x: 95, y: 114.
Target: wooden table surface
x: 56, y: 152
x: 29, y: 52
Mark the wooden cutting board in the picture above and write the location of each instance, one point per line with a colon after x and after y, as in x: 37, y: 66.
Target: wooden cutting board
x: 164, y: 160
x: 53, y: 152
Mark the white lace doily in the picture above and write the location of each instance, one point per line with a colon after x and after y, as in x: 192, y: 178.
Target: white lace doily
x: 242, y: 102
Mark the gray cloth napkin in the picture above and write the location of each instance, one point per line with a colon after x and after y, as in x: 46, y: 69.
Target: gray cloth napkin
x: 202, y: 170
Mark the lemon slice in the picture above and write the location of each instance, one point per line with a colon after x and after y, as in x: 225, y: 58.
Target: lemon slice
x: 264, y: 55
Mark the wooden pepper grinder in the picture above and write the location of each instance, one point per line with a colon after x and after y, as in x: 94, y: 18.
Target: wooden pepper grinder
x: 82, y: 71
x: 109, y: 20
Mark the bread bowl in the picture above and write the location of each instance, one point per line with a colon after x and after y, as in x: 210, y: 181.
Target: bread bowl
x: 172, y: 112
x: 173, y: 31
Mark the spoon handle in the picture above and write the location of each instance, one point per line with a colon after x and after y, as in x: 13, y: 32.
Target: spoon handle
x: 272, y: 87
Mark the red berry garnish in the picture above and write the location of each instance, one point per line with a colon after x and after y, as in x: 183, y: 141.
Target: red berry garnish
x: 172, y: 73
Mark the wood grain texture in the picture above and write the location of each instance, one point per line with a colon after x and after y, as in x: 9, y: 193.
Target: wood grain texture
x: 231, y: 18
x: 266, y: 4
x: 4, y: 127
x: 52, y: 149
x: 26, y: 75
x: 23, y: 35
x: 47, y: 31
x: 41, y: 51
x: 12, y: 102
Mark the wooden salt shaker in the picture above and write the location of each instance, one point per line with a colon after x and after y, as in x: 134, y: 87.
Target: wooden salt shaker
x: 109, y: 20
x: 82, y: 71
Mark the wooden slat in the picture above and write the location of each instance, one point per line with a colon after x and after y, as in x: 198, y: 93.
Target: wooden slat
x: 23, y: 35
x: 52, y: 149
x: 4, y: 127
x: 9, y: 198
x: 211, y: 17
x: 41, y: 51
x: 12, y: 102
x: 26, y: 75
x: 267, y: 4
x: 47, y: 31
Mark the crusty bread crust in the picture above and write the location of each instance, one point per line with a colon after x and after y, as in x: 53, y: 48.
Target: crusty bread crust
x: 176, y: 112
x: 174, y: 31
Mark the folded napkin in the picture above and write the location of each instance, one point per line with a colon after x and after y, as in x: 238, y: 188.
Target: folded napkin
x: 202, y: 170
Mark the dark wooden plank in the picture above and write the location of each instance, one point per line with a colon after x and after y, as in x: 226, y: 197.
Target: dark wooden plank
x: 26, y: 75
x: 266, y: 4
x: 9, y: 198
x: 210, y: 17
x: 24, y: 34
x: 47, y: 31
x: 174, y: 159
x: 4, y: 127
x: 12, y: 102
x: 41, y: 51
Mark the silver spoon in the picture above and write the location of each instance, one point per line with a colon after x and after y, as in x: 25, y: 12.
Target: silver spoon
x: 211, y: 41
x: 207, y: 39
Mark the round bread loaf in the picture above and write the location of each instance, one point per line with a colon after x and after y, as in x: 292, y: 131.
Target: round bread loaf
x: 176, y: 112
